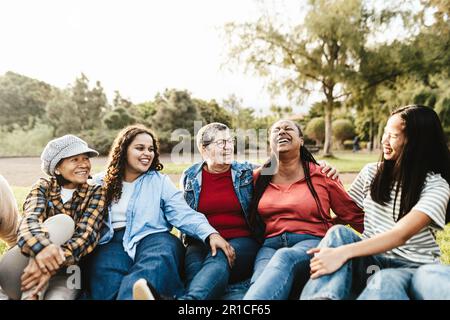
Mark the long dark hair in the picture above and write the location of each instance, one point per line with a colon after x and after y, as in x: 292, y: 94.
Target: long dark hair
x: 267, y: 172
x: 424, y: 151
x: 118, y: 159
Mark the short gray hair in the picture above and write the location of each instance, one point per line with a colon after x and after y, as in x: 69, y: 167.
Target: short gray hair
x: 206, y: 134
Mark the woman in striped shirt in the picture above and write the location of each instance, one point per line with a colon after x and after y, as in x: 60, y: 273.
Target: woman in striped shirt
x: 405, y: 199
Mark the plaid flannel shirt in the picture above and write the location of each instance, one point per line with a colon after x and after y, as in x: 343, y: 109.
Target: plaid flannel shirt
x: 44, y: 201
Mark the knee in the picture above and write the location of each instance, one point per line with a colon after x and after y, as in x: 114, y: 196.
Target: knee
x: 220, y: 260
x: 338, y: 235
x: 174, y: 245
x: 390, y: 276
x: 60, y: 227
x: 288, y: 257
x: 427, y: 277
x: 61, y: 221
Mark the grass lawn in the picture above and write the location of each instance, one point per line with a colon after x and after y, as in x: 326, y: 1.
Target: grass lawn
x: 351, y: 162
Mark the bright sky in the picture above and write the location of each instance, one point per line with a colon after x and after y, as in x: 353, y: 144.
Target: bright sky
x: 138, y: 47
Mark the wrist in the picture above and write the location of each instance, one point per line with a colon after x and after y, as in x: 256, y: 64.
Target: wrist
x: 213, y: 234
x: 345, y: 253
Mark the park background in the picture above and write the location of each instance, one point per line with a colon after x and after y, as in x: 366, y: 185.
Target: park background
x: 336, y: 67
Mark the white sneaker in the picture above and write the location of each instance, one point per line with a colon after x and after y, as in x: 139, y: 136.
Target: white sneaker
x: 141, y: 291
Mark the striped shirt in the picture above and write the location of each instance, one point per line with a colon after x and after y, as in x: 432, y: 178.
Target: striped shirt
x: 420, y: 248
x: 44, y: 201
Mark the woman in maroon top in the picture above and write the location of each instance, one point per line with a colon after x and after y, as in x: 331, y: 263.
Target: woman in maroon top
x: 293, y: 198
x: 221, y: 189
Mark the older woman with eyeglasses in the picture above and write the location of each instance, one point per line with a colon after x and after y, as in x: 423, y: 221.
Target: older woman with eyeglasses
x: 220, y: 188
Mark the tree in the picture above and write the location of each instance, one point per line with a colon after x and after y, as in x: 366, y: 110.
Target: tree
x: 281, y: 112
x: 120, y: 102
x: 118, y: 119
x: 210, y: 111
x: 91, y: 104
x: 175, y: 109
x: 62, y: 114
x: 321, y: 52
x: 22, y: 100
x: 324, y: 52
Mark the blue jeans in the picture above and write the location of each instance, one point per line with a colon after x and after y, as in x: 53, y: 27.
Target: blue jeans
x: 350, y: 280
x: 207, y: 277
x: 112, y: 273
x: 281, y: 262
x: 431, y: 282
x: 389, y: 284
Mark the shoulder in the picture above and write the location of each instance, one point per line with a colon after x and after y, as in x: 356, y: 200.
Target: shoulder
x: 97, y: 179
x: 154, y: 177
x: 369, y: 171
x: 42, y: 184
x: 243, y: 165
x: 371, y: 167
x: 94, y: 188
x: 435, y: 182
x: 192, y: 170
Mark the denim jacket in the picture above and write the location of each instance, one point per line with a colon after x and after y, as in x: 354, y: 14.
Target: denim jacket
x: 156, y: 205
x: 242, y: 176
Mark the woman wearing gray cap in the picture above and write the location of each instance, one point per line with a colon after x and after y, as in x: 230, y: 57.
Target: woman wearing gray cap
x: 61, y: 222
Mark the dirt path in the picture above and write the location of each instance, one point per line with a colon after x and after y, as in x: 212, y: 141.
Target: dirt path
x: 23, y: 172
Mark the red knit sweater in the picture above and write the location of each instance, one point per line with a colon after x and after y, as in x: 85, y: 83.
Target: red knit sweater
x: 219, y: 203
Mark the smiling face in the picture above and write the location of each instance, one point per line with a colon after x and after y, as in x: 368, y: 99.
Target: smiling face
x: 140, y: 155
x: 394, y: 138
x: 220, y: 150
x: 74, y: 169
x: 285, y: 137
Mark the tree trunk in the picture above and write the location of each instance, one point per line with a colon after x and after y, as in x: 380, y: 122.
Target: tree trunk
x: 328, y: 131
x: 371, y: 138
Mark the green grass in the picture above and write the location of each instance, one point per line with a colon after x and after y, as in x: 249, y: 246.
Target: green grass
x: 20, y: 193
x: 351, y: 162
x: 443, y: 239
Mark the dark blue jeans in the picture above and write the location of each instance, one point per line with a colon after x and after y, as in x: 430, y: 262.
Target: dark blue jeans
x: 359, y: 276
x: 281, y: 267
x: 207, y: 277
x: 112, y: 273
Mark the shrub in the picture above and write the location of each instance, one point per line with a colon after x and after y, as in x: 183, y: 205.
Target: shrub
x: 99, y: 139
x: 21, y: 142
x: 315, y: 129
x: 343, y: 129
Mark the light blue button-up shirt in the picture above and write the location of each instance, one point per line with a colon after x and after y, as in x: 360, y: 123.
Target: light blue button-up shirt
x: 156, y: 205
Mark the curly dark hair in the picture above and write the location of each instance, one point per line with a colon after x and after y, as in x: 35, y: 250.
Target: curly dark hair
x: 118, y: 157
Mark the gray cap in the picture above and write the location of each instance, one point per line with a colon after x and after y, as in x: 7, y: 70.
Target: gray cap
x: 61, y: 148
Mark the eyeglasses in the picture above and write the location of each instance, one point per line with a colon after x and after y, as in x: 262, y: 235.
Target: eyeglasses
x: 222, y: 142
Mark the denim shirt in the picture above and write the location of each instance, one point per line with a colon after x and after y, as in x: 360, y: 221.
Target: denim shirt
x: 156, y: 205
x: 242, y: 176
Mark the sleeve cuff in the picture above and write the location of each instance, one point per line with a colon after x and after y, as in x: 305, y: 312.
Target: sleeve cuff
x: 33, y: 250
x: 70, y: 259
